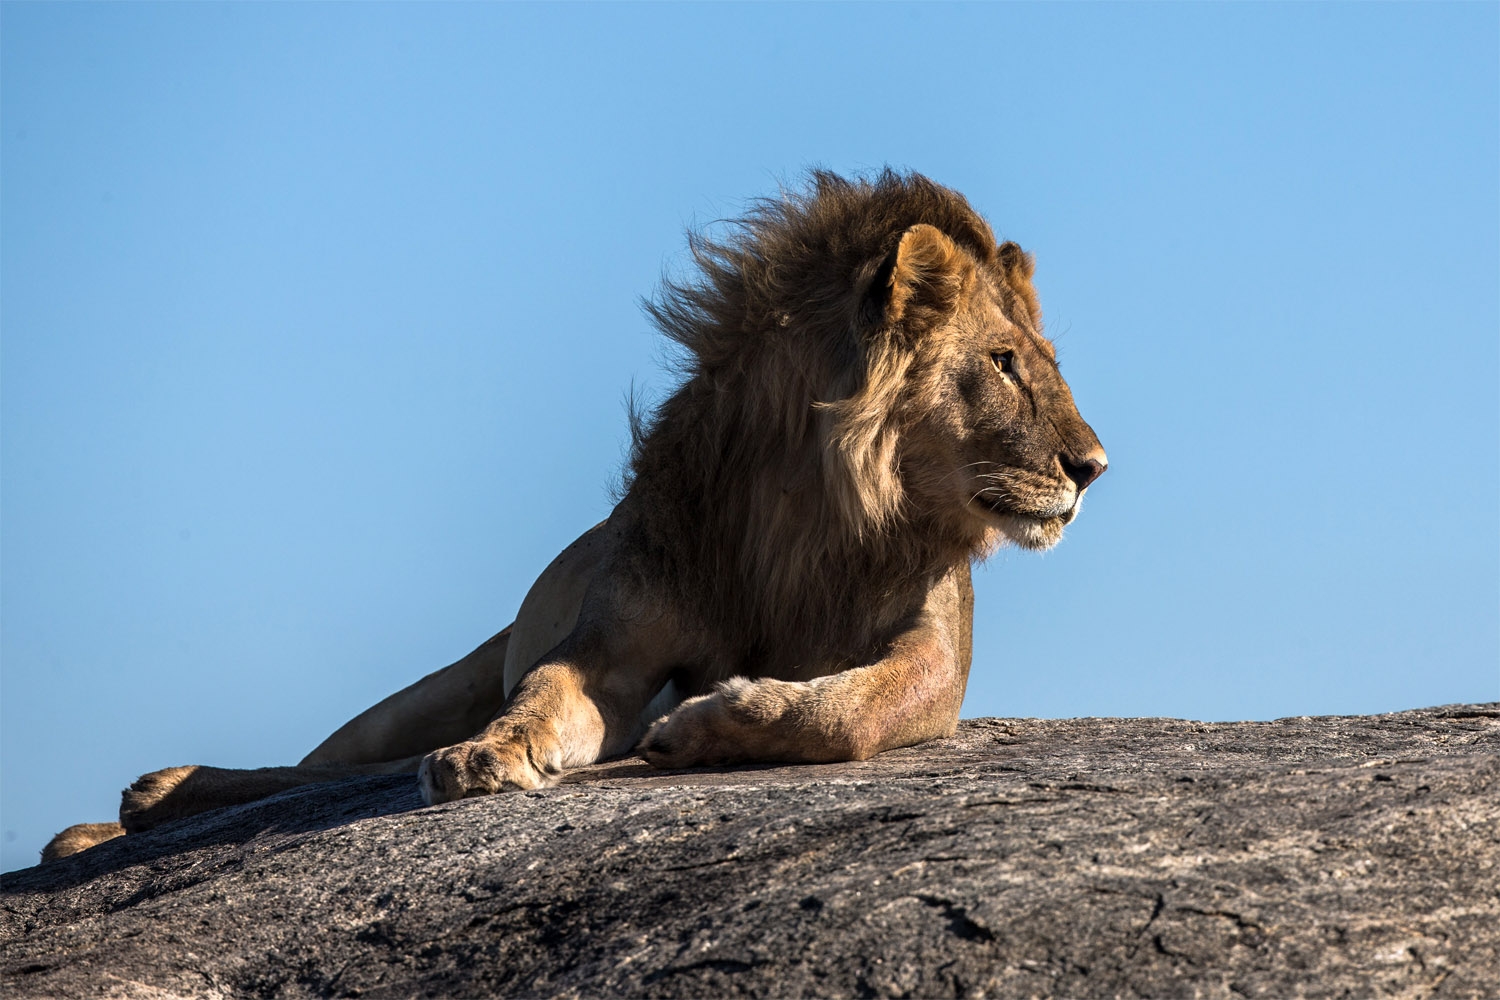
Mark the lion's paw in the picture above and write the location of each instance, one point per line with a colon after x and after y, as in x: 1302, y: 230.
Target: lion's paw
x: 712, y: 729
x: 149, y: 801
x: 760, y: 721
x: 680, y: 739
x: 481, y: 767
x: 80, y: 837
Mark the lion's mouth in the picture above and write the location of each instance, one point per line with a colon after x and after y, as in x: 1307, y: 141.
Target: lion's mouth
x: 1038, y: 526
x: 1060, y: 510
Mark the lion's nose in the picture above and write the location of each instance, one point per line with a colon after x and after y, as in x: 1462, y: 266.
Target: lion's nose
x: 1085, y: 472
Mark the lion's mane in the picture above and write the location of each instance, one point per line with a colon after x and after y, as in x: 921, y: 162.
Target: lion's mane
x: 770, y: 481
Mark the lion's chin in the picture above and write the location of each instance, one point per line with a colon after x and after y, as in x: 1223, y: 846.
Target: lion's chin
x: 1035, y: 533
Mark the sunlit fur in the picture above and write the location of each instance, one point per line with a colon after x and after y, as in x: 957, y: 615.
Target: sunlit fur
x: 868, y: 404
x: 809, y: 471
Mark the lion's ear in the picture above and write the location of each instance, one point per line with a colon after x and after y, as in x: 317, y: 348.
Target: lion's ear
x: 1018, y: 267
x: 920, y: 281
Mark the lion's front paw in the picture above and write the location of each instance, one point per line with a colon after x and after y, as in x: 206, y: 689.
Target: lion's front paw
x: 726, y: 727
x: 684, y: 738
x: 742, y: 722
x: 481, y: 767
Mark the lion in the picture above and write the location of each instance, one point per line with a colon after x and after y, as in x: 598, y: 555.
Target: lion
x: 868, y: 406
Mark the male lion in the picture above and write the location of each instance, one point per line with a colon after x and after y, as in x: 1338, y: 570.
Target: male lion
x: 869, y: 405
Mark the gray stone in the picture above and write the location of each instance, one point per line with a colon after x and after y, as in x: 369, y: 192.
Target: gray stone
x: 1086, y: 857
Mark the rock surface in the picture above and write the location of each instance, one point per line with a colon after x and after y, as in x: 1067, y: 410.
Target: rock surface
x: 1086, y: 857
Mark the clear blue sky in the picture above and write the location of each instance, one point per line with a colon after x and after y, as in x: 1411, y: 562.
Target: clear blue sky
x: 318, y: 322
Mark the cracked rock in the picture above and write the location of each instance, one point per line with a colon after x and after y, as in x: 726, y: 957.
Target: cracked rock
x: 1078, y: 858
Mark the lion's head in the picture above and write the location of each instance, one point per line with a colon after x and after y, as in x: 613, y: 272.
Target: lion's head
x: 983, y: 430
x: 868, y: 397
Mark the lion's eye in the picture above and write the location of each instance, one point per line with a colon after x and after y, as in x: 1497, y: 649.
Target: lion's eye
x: 1004, y: 361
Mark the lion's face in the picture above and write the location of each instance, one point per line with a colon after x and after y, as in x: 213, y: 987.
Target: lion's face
x: 993, y: 438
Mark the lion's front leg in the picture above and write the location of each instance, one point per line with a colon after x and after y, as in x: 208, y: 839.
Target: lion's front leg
x: 565, y: 713
x: 848, y: 716
x: 582, y: 703
x: 911, y: 694
x: 554, y: 722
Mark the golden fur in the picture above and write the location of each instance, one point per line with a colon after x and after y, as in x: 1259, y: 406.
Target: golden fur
x: 868, y: 404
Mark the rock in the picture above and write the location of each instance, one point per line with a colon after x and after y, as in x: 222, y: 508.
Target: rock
x: 1086, y: 857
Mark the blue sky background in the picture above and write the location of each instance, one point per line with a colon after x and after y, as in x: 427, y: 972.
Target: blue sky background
x: 318, y: 323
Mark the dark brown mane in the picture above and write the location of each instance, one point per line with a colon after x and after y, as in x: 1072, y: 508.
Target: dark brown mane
x: 802, y: 255
x: 780, y: 525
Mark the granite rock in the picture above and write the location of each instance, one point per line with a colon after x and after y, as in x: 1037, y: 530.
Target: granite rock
x: 1336, y: 856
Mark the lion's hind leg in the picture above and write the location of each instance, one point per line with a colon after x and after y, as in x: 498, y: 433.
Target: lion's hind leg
x: 179, y: 792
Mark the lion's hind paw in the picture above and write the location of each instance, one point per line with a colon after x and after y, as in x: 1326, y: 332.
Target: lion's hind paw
x: 80, y: 837
x: 149, y: 801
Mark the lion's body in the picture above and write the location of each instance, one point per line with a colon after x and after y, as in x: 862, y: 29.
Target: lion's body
x: 869, y: 405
